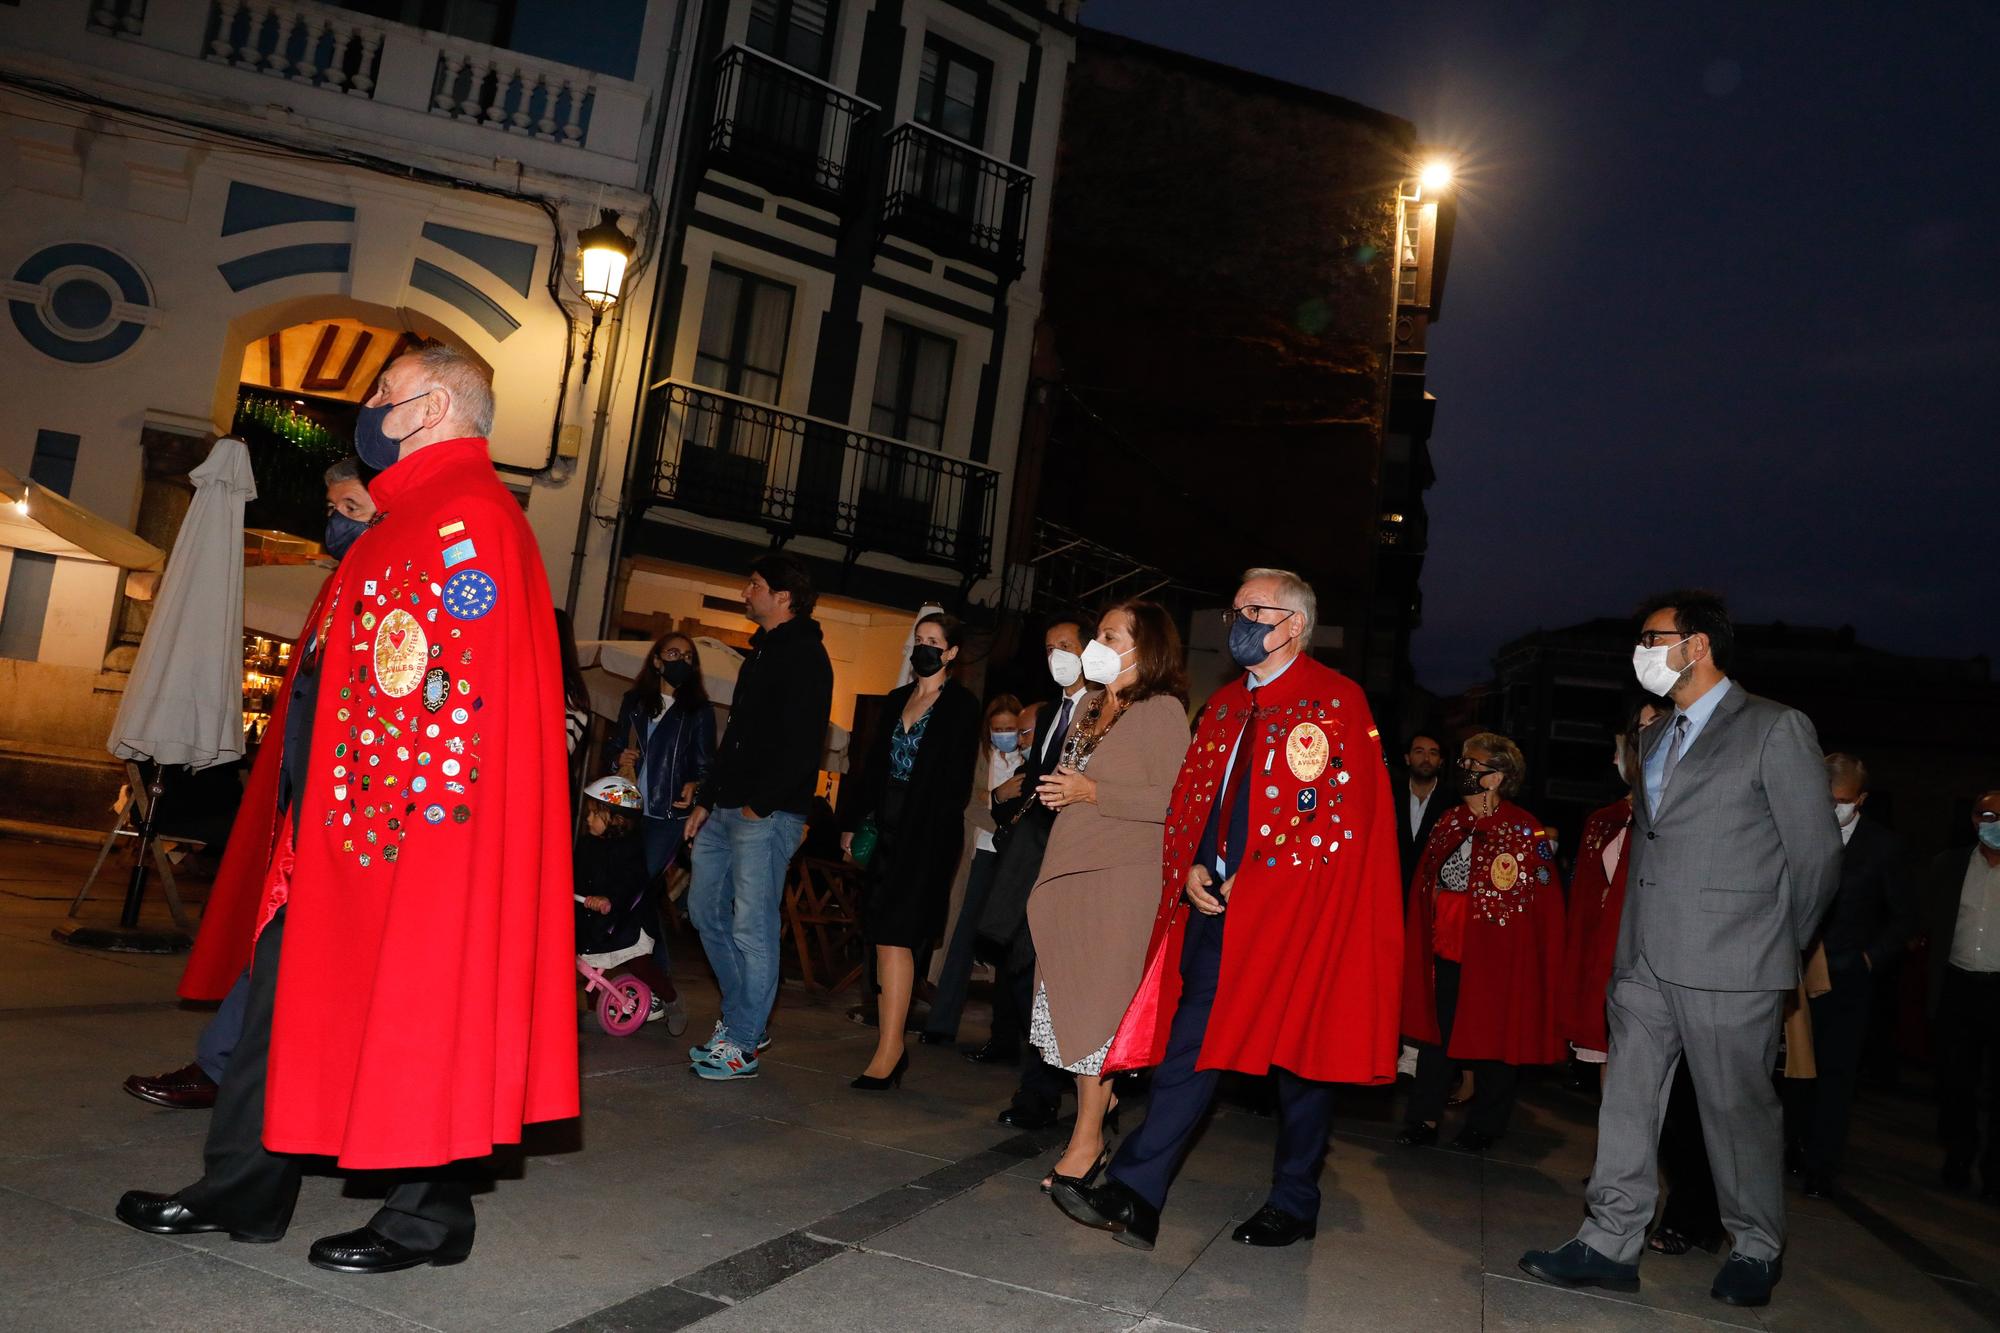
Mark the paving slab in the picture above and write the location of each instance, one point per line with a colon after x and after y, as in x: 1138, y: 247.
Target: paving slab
x: 857, y: 1291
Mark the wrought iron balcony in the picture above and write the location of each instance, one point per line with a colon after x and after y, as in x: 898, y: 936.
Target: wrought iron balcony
x: 784, y: 129
x: 955, y: 200
x: 727, y: 457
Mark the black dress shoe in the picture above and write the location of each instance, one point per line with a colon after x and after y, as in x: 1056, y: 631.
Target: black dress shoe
x: 1471, y: 1140
x: 1110, y: 1207
x: 166, y: 1215
x: 990, y: 1054
x: 1577, y: 1265
x: 1418, y: 1136
x: 1747, y: 1281
x: 1027, y: 1117
x: 1272, y: 1227
x: 870, y: 1083
x: 188, y: 1088
x: 365, y: 1251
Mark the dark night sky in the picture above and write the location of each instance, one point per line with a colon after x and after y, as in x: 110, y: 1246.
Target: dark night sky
x: 1724, y: 293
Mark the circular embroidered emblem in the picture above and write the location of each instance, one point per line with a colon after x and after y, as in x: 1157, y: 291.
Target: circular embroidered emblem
x: 1506, y: 871
x: 1306, y: 751
x: 450, y: 768
x: 400, y: 653
x: 469, y: 594
x: 434, y: 814
x: 459, y: 814
x: 418, y: 783
x: 459, y: 715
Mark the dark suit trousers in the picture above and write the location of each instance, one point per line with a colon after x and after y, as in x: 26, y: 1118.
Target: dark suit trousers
x: 1042, y: 1084
x: 1494, y: 1082
x: 1840, y: 1036
x: 252, y: 1191
x: 1152, y: 1153
x: 1968, y: 1046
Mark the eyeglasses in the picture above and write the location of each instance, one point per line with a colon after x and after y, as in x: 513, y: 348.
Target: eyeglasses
x: 1987, y: 817
x: 1653, y: 638
x: 1255, y: 614
x: 1474, y: 766
x: 673, y: 655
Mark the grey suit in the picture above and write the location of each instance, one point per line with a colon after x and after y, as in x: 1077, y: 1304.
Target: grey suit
x: 1729, y: 878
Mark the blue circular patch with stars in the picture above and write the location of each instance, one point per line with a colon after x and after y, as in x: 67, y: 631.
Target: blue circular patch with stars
x: 469, y: 594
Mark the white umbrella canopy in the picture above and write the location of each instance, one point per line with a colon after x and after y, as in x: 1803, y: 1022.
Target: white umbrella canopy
x: 184, y: 701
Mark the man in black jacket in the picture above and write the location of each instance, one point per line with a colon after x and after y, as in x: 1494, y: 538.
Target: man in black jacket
x: 1871, y: 922
x: 750, y: 813
x: 1962, y: 907
x: 1422, y: 800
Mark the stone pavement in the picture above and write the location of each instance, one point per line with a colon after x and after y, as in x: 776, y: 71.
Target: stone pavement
x: 791, y: 1202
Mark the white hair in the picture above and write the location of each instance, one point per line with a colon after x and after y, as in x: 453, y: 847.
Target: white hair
x: 1294, y: 590
x: 468, y: 383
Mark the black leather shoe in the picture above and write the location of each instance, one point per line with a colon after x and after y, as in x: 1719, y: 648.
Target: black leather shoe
x: 1109, y: 1207
x: 166, y: 1215
x: 1273, y: 1227
x: 1747, y: 1281
x: 188, y: 1088
x: 1418, y: 1136
x: 1470, y: 1140
x: 1577, y: 1265
x: 990, y: 1054
x: 1027, y: 1117
x: 364, y: 1251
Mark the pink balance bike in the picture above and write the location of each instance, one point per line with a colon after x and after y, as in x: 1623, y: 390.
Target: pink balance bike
x: 623, y: 1003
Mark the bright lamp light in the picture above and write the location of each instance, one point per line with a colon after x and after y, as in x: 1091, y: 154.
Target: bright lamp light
x: 1436, y: 174
x: 605, y: 251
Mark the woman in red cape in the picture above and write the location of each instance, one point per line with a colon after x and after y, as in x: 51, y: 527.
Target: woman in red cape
x: 425, y: 1006
x: 1483, y: 947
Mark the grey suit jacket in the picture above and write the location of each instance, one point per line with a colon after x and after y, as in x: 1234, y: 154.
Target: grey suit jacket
x: 1730, y: 876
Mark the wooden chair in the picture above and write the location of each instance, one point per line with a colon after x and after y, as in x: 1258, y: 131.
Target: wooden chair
x: 823, y: 914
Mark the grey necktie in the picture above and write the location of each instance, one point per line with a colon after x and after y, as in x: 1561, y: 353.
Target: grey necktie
x: 1673, y: 752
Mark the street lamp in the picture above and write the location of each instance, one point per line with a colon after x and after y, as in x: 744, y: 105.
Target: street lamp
x: 1434, y: 176
x: 603, y: 251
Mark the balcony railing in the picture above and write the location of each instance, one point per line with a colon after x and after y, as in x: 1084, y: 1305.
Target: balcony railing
x: 784, y: 129
x: 956, y: 200
x: 728, y: 457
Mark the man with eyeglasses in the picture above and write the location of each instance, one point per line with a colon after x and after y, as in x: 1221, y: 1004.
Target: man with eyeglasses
x: 1735, y: 858
x: 1963, y: 909
x: 1278, y: 944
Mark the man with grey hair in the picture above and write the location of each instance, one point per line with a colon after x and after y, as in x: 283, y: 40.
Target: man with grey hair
x: 1872, y: 920
x: 1278, y: 945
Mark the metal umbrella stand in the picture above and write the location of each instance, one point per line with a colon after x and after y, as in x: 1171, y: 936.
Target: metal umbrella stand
x: 183, y: 704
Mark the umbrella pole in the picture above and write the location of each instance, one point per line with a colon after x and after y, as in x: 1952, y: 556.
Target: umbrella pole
x: 135, y: 890
x: 126, y: 936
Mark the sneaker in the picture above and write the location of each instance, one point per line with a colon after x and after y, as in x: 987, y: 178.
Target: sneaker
x: 658, y: 1010
x: 702, y: 1052
x: 677, y: 1017
x: 728, y: 1060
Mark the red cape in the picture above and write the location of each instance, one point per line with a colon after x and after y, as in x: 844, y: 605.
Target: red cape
x: 1513, y: 940
x: 425, y: 1007
x: 229, y: 919
x: 1313, y: 948
x: 1596, y: 901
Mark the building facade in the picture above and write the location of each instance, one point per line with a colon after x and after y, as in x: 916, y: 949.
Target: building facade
x: 226, y: 215
x: 839, y: 353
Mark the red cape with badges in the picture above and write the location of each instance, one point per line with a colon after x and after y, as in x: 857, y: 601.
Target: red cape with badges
x: 1312, y: 949
x: 229, y: 920
x: 426, y: 1006
x: 1596, y: 902
x: 1513, y: 940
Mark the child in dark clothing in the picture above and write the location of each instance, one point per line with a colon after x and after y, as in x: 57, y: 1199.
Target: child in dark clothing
x: 616, y: 900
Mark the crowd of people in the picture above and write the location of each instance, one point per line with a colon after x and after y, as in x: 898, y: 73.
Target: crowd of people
x: 1246, y: 891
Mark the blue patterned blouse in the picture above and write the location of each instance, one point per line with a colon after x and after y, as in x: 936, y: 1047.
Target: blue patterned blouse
x: 903, y: 748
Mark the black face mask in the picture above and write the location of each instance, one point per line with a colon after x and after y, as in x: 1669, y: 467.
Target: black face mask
x: 1471, y: 780
x: 926, y: 659
x: 676, y: 674
x: 341, y: 532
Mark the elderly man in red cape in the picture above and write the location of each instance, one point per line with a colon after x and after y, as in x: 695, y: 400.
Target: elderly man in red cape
x: 1280, y: 839
x: 411, y: 1000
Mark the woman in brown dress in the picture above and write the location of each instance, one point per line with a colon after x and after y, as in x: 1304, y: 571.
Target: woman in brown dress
x: 1092, y: 909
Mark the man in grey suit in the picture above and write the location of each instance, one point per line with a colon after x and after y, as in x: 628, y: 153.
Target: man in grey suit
x: 1735, y: 857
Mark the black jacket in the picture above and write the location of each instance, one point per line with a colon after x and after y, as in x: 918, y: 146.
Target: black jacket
x: 769, y: 756
x: 615, y: 868
x: 931, y: 831
x: 1943, y: 883
x: 680, y: 751
x: 1021, y: 837
x: 1874, y: 912
x: 1412, y: 848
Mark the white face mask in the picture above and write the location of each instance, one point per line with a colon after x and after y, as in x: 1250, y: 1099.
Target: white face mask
x: 1846, y: 812
x: 1065, y: 666
x: 1650, y: 666
x: 1102, y: 662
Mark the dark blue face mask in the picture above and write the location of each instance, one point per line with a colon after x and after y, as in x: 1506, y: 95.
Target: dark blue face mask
x: 341, y: 532
x: 1246, y: 642
x: 371, y: 444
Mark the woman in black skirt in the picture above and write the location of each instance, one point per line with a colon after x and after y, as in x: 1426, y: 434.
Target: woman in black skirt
x: 913, y: 790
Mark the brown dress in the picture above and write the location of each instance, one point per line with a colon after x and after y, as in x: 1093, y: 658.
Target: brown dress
x: 1092, y: 909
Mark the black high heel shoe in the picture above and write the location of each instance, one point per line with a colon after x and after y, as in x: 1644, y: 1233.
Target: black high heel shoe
x: 1083, y: 1181
x: 869, y: 1083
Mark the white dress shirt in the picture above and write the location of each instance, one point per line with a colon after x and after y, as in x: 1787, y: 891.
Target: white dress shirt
x: 1975, y: 940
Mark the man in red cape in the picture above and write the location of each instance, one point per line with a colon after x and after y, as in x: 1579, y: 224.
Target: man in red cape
x: 1280, y: 838
x: 411, y: 1002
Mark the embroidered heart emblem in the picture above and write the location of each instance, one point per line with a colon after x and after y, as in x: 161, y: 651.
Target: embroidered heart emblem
x: 396, y: 637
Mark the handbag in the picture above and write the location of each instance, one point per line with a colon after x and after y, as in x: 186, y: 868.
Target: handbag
x: 861, y: 849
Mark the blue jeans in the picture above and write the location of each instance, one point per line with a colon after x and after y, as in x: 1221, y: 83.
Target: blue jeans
x: 662, y: 841
x: 734, y: 901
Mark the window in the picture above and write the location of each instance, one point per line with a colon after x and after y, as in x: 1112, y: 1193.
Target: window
x: 798, y: 32
x: 912, y: 385
x: 32, y: 575
x: 744, y: 328
x: 952, y: 86
x: 54, y: 462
